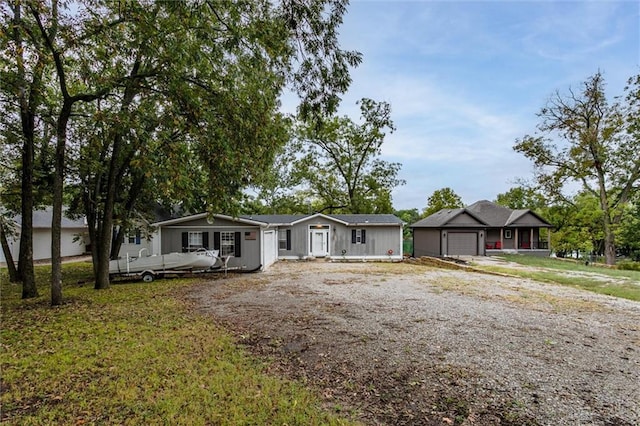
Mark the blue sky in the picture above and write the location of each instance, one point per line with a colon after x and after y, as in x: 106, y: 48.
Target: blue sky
x: 466, y: 79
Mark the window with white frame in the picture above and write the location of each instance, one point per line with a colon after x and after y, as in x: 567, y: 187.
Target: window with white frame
x: 227, y: 243
x: 358, y: 236
x: 283, y: 239
x: 195, y: 239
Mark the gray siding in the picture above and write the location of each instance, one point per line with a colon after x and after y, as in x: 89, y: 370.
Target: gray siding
x: 464, y: 219
x: 528, y: 220
x: 426, y: 242
x: 249, y: 249
x: 379, y: 240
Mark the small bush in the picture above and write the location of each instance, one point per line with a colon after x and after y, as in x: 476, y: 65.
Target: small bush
x: 629, y: 266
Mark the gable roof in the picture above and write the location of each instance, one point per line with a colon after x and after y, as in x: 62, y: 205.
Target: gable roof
x: 42, y: 219
x: 205, y: 215
x: 485, y: 212
x: 345, y: 219
x: 443, y: 217
x: 292, y: 219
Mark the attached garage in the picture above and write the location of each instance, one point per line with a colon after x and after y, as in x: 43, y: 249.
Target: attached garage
x: 462, y: 244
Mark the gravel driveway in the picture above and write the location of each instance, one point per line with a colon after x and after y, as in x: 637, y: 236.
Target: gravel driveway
x: 405, y: 344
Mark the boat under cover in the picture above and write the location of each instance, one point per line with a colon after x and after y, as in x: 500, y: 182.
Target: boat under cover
x: 195, y: 261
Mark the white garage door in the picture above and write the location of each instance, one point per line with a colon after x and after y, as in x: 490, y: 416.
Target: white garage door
x: 269, y: 248
x: 462, y: 243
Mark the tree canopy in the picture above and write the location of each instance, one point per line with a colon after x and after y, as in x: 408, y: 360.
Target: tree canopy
x: 585, y: 140
x: 334, y: 165
x: 161, y: 101
x: 443, y: 198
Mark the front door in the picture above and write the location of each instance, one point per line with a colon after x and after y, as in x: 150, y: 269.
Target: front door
x: 319, y: 242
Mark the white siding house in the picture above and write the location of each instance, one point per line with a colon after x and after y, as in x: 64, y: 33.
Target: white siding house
x: 73, y: 242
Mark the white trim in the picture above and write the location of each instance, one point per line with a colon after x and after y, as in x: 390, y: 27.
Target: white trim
x: 205, y: 215
x: 326, y: 231
x: 319, y: 215
x: 222, y: 228
x: 156, y: 241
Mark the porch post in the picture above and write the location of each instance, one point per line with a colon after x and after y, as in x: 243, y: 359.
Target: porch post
x: 516, y: 239
x: 549, y: 240
x: 501, y: 238
x: 531, y: 239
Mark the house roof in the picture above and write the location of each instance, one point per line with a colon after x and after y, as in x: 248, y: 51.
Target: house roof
x: 346, y: 219
x: 444, y: 217
x: 292, y: 219
x: 485, y: 212
x: 42, y: 219
x: 205, y: 215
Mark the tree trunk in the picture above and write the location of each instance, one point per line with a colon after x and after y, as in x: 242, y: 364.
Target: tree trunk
x: 58, y: 186
x: 11, y: 267
x: 25, y: 257
x: 27, y: 120
x: 609, y: 241
x: 105, y: 229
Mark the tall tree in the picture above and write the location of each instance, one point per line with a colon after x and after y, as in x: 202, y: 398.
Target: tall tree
x: 341, y: 162
x: 577, y: 224
x: 175, y: 81
x: 443, y: 198
x: 628, y: 234
x: 586, y: 140
x: 24, y: 81
x: 521, y: 197
x: 409, y: 217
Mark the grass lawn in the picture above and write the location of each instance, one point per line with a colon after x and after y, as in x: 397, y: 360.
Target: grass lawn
x: 133, y: 354
x: 610, y: 281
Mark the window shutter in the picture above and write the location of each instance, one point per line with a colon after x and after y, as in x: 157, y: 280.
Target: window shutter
x: 185, y: 241
x: 137, y: 236
x: 236, y: 245
x: 216, y: 241
x: 362, y: 239
x: 288, y: 239
x: 205, y: 240
x: 353, y: 236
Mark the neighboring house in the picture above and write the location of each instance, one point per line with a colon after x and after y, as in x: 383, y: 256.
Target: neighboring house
x: 256, y: 242
x: 483, y: 228
x: 135, y: 244
x: 73, y: 241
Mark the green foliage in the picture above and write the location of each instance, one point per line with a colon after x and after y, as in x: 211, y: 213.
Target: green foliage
x: 340, y: 165
x: 521, y: 197
x: 409, y: 217
x: 610, y: 281
x: 630, y: 265
x: 137, y: 354
x: 585, y: 140
x: 444, y: 198
x: 628, y: 233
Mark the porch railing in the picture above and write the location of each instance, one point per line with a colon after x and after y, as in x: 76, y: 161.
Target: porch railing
x: 525, y: 245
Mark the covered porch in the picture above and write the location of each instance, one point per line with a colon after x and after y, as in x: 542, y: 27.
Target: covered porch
x: 525, y: 240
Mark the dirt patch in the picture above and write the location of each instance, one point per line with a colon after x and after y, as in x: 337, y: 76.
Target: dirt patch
x: 404, y: 344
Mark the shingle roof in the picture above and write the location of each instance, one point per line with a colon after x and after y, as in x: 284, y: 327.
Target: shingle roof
x: 351, y: 219
x: 275, y: 218
x: 372, y: 219
x: 43, y: 218
x: 491, y: 214
x: 439, y: 218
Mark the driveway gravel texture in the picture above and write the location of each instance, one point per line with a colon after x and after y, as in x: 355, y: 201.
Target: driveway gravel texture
x: 403, y: 344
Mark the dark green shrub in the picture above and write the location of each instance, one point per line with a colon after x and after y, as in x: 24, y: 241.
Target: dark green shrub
x: 629, y: 265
